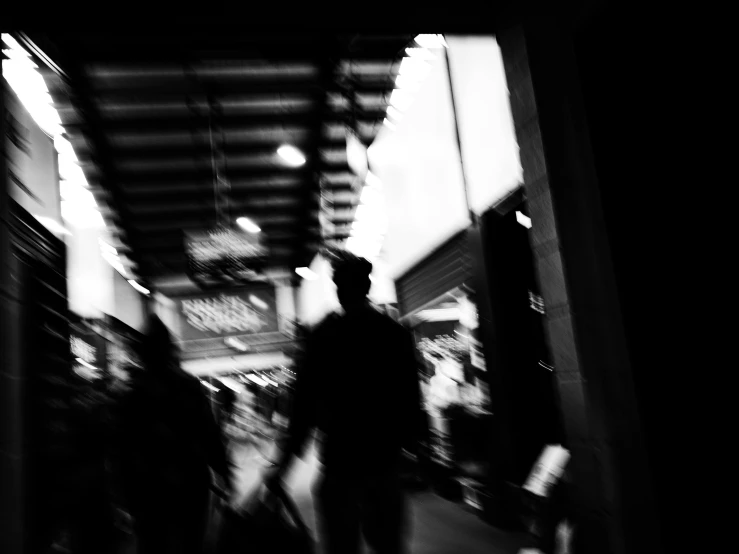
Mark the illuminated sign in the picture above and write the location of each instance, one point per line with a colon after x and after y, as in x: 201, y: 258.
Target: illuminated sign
x: 224, y: 314
x: 89, y: 352
x: 83, y: 350
x: 241, y: 312
x: 536, y: 302
x: 224, y: 243
x: 225, y: 253
x: 443, y: 345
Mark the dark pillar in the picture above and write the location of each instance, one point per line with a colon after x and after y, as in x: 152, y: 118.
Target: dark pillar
x: 612, y: 494
x: 12, y: 520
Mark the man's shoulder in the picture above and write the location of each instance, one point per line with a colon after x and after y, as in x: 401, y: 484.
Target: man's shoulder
x: 389, y: 323
x: 381, y: 322
x: 329, y: 322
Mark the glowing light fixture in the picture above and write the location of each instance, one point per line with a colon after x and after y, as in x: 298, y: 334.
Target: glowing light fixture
x: 258, y: 302
x: 206, y: 384
x: 291, y: 155
x: 84, y: 363
x: 232, y: 384
x: 248, y: 225
x: 523, y: 220
x: 256, y: 379
x: 233, y: 342
x: 306, y: 273
x: 138, y: 287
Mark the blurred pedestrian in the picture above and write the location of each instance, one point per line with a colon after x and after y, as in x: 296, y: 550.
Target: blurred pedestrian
x: 169, y: 443
x: 358, y: 384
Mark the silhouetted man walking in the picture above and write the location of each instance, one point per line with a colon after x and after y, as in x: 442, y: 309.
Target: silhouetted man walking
x: 358, y: 385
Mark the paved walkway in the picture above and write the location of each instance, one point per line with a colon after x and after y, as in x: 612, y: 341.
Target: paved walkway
x: 439, y: 526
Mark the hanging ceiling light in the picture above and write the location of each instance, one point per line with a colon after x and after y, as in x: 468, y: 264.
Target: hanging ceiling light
x: 291, y: 155
x: 248, y: 225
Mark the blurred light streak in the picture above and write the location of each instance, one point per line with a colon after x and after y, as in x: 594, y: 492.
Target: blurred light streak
x: 138, y: 287
x: 306, y: 273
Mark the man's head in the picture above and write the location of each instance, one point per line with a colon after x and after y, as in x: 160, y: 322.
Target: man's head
x: 352, y: 279
x: 157, y: 349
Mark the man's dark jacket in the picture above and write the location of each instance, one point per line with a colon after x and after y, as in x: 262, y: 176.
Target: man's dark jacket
x: 357, y: 383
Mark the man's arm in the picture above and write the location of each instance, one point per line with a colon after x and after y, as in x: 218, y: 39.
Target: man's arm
x: 302, y: 414
x: 215, y: 442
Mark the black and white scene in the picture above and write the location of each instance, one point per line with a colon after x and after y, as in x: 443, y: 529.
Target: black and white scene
x: 359, y: 289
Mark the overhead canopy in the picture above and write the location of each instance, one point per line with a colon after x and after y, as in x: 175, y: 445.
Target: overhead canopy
x: 140, y: 111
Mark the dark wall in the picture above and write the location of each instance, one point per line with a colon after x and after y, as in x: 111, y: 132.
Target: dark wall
x: 626, y: 105
x: 526, y: 389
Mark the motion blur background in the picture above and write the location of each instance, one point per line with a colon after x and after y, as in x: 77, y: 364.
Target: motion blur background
x: 205, y: 177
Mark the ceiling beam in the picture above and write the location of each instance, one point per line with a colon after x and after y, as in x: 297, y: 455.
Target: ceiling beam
x: 229, y: 123
x: 151, y: 90
x: 197, y: 150
x: 178, y: 175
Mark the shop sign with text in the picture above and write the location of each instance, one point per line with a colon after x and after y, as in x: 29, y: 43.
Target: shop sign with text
x: 222, y: 314
x: 223, y: 252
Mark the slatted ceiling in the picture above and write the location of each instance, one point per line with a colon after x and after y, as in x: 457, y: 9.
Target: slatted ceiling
x: 171, y: 119
x: 216, y: 69
x: 202, y: 151
x: 334, y: 156
x: 342, y: 197
x: 276, y: 133
x: 162, y: 223
x: 162, y: 89
x: 235, y: 105
x: 189, y: 209
x: 264, y: 158
x: 163, y: 123
x: 146, y: 125
x: 204, y: 175
x: 339, y: 177
x: 241, y: 187
x: 202, y: 198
